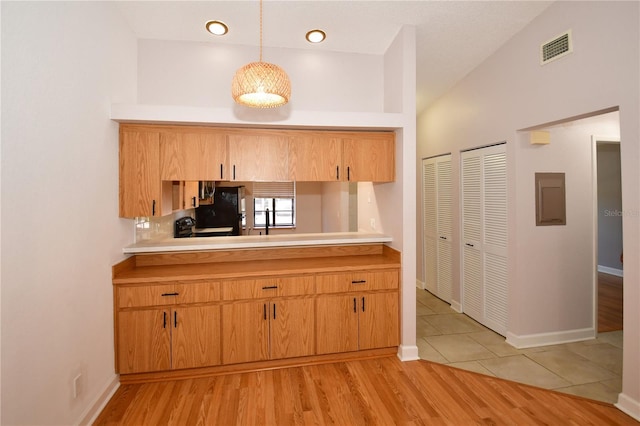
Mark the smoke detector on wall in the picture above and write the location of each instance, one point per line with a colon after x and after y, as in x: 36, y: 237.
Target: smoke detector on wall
x: 556, y: 48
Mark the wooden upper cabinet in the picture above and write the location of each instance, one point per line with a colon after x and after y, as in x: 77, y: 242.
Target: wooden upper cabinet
x: 259, y: 156
x: 315, y: 157
x: 369, y: 157
x: 140, y: 184
x: 201, y: 155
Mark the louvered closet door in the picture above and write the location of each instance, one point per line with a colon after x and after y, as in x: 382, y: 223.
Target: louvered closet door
x: 472, y: 292
x: 495, y: 238
x: 430, y: 223
x: 484, y: 236
x: 443, y: 178
x: 436, y: 187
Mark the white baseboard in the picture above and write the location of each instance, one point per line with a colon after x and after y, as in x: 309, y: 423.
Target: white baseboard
x: 420, y: 284
x: 456, y: 306
x: 628, y: 406
x: 92, y: 412
x: 554, y: 338
x: 408, y: 353
x: 611, y: 271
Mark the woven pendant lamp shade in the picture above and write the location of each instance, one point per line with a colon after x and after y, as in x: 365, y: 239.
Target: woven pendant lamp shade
x: 261, y: 85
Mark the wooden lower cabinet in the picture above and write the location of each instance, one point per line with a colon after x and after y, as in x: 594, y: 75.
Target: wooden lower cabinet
x: 357, y: 321
x: 267, y: 329
x: 169, y: 338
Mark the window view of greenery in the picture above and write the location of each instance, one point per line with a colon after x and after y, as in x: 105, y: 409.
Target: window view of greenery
x: 281, y: 212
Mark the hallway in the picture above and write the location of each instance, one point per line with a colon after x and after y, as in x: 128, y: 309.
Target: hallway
x: 592, y: 369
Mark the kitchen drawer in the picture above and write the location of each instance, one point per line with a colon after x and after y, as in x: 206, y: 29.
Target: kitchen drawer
x: 148, y: 295
x: 357, y: 281
x: 168, y: 294
x: 268, y: 287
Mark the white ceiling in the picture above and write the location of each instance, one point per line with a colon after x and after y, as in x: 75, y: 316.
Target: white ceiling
x: 453, y: 37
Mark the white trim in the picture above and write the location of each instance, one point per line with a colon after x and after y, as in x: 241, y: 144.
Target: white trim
x: 611, y: 271
x: 92, y: 412
x: 408, y: 353
x: 268, y: 117
x: 420, y: 284
x: 555, y: 338
x: 456, y: 306
x: 628, y: 405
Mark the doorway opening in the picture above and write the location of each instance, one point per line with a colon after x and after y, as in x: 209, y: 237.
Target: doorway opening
x: 608, y: 222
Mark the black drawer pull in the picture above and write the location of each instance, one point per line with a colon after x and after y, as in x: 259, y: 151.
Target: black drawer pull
x: 363, y: 304
x: 264, y: 311
x: 170, y: 294
x: 359, y: 282
x: 274, y: 311
x: 354, y: 305
x: 175, y: 319
x: 271, y: 287
x: 164, y: 321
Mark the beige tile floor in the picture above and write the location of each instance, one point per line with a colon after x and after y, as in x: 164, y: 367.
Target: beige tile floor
x: 592, y: 369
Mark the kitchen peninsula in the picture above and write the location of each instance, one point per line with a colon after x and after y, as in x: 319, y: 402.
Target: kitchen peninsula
x: 216, y: 304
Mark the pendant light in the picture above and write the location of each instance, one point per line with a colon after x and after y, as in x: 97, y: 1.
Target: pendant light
x: 261, y: 84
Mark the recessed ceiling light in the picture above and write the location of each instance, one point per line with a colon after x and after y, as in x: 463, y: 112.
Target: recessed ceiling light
x: 316, y: 36
x: 217, y: 27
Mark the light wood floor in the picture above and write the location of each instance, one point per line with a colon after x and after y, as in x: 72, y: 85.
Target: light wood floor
x: 381, y: 391
x: 609, y: 303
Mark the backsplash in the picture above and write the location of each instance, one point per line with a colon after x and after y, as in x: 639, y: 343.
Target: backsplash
x: 151, y: 228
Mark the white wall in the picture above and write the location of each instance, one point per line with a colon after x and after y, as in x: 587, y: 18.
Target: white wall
x: 200, y: 74
x: 63, y: 64
x: 335, y: 207
x: 511, y: 91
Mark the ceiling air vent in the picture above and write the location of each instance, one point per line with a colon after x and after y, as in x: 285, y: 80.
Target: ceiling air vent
x: 556, y: 48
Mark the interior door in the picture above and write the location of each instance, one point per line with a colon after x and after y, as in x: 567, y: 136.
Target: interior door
x: 430, y: 224
x: 472, y: 212
x: 445, y: 250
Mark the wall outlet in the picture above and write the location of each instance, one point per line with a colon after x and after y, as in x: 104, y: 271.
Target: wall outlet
x: 77, y: 385
x: 373, y: 223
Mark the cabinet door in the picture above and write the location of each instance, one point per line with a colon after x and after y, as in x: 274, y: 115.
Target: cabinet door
x: 336, y: 324
x: 245, y: 332
x: 259, y: 157
x: 292, y: 328
x: 195, y: 336
x: 193, y: 156
x: 369, y: 158
x: 144, y: 341
x: 315, y: 157
x: 140, y: 184
x: 378, y: 320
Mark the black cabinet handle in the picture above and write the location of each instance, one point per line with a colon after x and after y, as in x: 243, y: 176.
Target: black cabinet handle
x: 164, y: 320
x: 348, y: 173
x: 175, y: 319
x: 170, y: 294
x: 194, y: 201
x: 469, y: 245
x: 274, y: 311
x: 270, y: 287
x: 264, y: 311
x: 354, y: 305
x: 363, y: 304
x: 221, y: 175
x: 153, y: 208
x: 359, y: 282
x: 337, y: 172
x: 234, y: 172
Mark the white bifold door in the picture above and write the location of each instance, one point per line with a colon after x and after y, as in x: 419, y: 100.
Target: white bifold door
x: 484, y: 236
x: 436, y: 186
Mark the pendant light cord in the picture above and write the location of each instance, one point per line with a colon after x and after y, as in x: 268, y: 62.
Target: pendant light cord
x: 260, y: 30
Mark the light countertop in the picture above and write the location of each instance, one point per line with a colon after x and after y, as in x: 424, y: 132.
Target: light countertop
x: 168, y: 244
